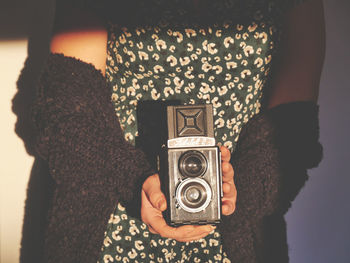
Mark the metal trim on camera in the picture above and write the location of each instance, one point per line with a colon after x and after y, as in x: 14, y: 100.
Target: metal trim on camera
x: 193, y: 195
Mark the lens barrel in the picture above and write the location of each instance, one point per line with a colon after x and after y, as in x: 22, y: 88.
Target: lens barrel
x: 193, y: 194
x: 192, y: 164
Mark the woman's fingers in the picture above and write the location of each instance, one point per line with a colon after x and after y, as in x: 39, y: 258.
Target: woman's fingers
x: 228, y: 207
x: 152, y: 189
x: 147, y: 209
x: 197, y: 233
x: 151, y: 197
x: 152, y: 230
x: 228, y: 202
x: 182, y: 233
x: 225, y: 154
x: 228, y: 186
x: 227, y: 172
x: 227, y: 189
x: 157, y: 224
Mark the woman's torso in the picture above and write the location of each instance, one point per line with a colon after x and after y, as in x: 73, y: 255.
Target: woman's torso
x: 173, y: 55
x: 161, y: 50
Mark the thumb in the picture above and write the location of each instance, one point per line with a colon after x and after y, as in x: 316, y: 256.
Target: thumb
x: 151, y: 187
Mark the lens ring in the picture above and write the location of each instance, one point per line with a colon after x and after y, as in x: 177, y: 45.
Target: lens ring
x: 192, y: 164
x: 199, y: 203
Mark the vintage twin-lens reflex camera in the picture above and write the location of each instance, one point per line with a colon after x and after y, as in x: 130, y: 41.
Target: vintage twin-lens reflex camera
x: 192, y: 164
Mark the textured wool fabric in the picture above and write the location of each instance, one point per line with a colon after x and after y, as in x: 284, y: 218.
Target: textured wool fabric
x: 92, y: 165
x: 274, y: 150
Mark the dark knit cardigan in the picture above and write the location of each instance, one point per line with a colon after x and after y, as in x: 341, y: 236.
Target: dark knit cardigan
x: 94, y: 168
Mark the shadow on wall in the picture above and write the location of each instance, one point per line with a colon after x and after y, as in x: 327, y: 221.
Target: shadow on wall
x: 33, y: 20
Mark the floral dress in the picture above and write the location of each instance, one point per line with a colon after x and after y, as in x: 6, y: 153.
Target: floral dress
x: 171, y: 56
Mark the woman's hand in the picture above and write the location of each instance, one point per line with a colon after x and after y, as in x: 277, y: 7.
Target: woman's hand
x: 228, y: 186
x: 153, y: 203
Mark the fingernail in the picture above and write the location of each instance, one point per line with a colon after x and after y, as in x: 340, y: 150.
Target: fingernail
x: 211, y: 228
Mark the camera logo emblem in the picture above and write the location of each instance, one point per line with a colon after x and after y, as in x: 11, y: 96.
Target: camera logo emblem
x: 190, y: 122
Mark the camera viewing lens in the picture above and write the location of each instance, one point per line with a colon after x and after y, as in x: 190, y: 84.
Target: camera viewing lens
x: 194, y: 194
x: 192, y: 163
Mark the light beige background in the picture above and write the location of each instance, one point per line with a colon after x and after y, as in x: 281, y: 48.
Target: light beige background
x: 15, y: 162
x: 21, y: 22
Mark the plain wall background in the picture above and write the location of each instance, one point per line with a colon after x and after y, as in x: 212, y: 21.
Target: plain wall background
x: 318, y: 222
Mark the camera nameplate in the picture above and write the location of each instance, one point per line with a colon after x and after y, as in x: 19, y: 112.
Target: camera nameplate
x: 190, y: 142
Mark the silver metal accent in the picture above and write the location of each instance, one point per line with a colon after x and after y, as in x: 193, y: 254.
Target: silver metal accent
x: 207, y: 193
x: 219, y: 172
x: 190, y: 142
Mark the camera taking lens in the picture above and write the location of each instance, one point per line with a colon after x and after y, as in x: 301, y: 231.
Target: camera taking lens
x: 194, y: 195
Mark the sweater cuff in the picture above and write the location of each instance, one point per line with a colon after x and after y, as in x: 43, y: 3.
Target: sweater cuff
x: 273, y: 152
x: 296, y: 128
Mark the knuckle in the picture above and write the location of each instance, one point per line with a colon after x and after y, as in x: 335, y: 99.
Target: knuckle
x: 150, y: 180
x: 154, y: 176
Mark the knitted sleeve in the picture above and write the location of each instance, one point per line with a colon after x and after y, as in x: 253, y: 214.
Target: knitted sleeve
x: 273, y: 153
x: 283, y: 140
x: 92, y: 165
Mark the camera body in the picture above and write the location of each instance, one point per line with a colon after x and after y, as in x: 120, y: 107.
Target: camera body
x: 193, y: 169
